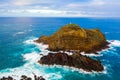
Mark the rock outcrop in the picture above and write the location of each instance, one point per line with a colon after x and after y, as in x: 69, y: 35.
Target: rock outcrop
x: 76, y: 60
x: 73, y: 37
x: 23, y: 77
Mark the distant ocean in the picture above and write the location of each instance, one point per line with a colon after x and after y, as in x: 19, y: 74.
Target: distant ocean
x: 19, y: 55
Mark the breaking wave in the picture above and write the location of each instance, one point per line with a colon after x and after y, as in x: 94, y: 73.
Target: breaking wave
x: 31, y: 66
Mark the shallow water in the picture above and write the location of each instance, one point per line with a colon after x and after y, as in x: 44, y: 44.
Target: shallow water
x: 19, y: 55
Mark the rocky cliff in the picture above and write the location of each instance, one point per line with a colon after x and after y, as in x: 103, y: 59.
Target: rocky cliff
x: 73, y: 37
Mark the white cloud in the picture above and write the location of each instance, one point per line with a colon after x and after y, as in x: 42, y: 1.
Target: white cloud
x: 21, y: 3
x: 31, y: 2
x: 93, y: 8
x: 97, y: 8
x: 84, y: 4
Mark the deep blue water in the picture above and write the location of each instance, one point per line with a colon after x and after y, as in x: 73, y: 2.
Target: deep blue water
x: 13, y: 50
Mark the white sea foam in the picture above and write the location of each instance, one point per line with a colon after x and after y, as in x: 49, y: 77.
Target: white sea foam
x: 111, y: 47
x: 41, y: 46
x: 45, y: 52
x: 26, y: 69
x: 32, y: 57
x: 91, y: 54
x: 69, y: 53
x: 114, y: 43
x: 30, y: 41
x: 18, y: 33
x: 31, y: 65
x: 73, y: 69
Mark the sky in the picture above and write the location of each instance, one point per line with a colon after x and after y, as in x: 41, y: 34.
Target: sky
x: 59, y: 8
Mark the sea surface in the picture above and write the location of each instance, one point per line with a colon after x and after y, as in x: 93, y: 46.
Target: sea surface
x: 19, y: 54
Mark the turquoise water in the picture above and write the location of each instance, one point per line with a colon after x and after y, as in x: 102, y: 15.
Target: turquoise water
x: 19, y: 55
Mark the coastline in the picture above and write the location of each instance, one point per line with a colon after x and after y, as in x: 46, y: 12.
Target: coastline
x: 31, y: 41
x: 45, y: 49
x: 68, y: 67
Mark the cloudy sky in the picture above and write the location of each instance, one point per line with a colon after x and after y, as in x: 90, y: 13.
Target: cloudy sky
x: 60, y: 8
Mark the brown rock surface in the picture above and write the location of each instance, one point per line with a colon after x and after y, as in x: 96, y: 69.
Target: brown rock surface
x: 72, y: 37
x: 76, y: 60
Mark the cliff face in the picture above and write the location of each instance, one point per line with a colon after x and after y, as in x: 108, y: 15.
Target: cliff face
x: 75, y: 60
x: 72, y: 37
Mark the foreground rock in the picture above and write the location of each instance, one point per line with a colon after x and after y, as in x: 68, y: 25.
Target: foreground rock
x: 72, y: 37
x: 76, y: 60
x: 7, y: 78
x: 23, y: 77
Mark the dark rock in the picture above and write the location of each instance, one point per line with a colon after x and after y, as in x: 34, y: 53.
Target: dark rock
x: 41, y: 78
x: 29, y: 78
x: 23, y: 77
x: 76, y: 60
x: 7, y: 78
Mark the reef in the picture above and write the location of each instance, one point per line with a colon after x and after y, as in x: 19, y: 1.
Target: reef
x: 72, y: 37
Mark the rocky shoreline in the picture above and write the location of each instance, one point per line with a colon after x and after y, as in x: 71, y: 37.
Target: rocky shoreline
x: 73, y: 37
x: 23, y: 77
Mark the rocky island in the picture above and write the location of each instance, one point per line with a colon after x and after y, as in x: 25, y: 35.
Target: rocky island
x: 73, y: 38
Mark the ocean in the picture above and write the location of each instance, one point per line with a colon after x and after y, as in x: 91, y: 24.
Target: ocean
x: 19, y: 54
